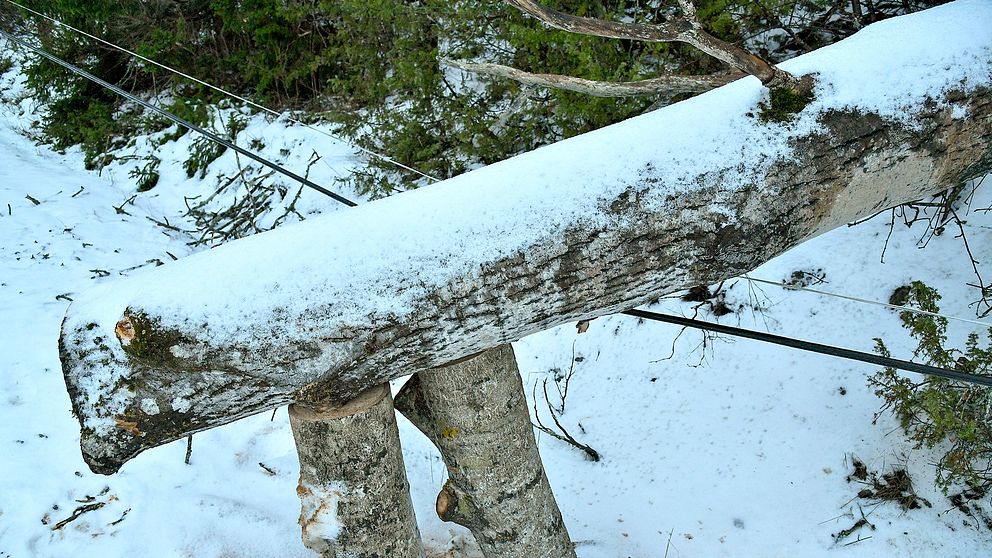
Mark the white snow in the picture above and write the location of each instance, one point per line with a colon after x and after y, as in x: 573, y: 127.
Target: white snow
x: 742, y: 453
x: 319, y: 509
x: 149, y: 406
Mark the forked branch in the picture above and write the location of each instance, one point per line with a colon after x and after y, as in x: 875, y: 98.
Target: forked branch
x: 685, y: 28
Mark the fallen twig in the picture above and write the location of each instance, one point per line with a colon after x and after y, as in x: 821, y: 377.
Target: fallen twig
x: 78, y: 512
x: 564, y: 436
x: 123, y: 515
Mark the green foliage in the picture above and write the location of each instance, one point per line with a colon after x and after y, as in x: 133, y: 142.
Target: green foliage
x: 147, y: 175
x: 204, y: 151
x: 938, y: 412
x: 88, y: 122
x: 6, y: 64
x: 79, y: 112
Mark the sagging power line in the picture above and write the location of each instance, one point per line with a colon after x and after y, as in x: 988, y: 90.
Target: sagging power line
x: 222, y: 91
x: 820, y: 348
x: 180, y: 121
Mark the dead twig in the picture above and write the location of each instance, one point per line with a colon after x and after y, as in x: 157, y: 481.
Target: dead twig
x: 118, y: 522
x: 78, y: 512
x: 562, y: 382
x: 858, y: 525
x: 120, y: 208
x: 564, y: 436
x: 164, y: 223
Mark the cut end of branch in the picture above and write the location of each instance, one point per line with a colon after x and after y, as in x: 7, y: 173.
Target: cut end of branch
x: 125, y: 331
x: 455, y: 507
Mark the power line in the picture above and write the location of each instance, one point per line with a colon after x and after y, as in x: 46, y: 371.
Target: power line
x: 210, y: 135
x: 815, y: 347
x: 866, y: 301
x: 263, y: 108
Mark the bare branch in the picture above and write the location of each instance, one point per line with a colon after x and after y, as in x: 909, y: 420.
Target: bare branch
x: 665, y: 85
x: 684, y: 29
x: 674, y: 30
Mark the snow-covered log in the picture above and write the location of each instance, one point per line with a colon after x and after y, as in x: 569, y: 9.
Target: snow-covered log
x: 694, y: 193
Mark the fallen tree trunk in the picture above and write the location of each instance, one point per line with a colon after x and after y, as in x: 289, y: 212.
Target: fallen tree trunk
x: 694, y: 193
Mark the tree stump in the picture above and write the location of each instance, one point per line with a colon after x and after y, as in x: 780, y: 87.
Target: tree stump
x: 353, y: 486
x: 475, y: 412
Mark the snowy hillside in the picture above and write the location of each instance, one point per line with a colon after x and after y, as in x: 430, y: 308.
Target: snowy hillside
x: 729, y: 448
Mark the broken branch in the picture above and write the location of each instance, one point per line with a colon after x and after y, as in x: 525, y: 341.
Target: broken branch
x: 682, y: 29
x: 666, y: 85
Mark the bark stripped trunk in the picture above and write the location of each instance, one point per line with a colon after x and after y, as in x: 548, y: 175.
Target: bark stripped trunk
x: 475, y: 412
x: 353, y: 486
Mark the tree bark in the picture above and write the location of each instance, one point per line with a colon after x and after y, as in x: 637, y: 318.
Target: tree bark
x: 476, y: 413
x: 355, y: 495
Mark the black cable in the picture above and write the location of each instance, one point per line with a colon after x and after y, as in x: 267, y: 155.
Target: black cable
x: 815, y: 347
x: 209, y: 135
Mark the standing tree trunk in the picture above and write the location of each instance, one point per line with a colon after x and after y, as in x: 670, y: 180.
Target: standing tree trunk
x: 475, y: 412
x: 356, y: 498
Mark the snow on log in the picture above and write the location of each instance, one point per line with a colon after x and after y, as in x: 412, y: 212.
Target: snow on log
x: 694, y: 193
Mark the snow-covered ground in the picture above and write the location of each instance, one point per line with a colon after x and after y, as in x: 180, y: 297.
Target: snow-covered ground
x: 733, y: 449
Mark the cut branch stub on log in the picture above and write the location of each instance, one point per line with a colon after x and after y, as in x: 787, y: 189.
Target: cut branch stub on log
x: 690, y: 194
x: 476, y: 413
x: 353, y: 486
